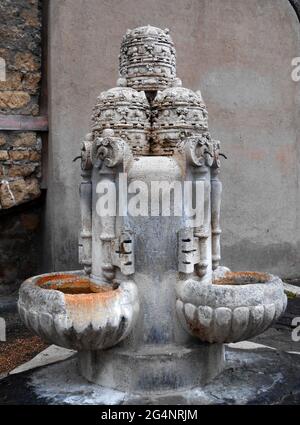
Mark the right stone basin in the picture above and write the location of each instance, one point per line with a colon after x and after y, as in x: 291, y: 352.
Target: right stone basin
x: 235, y: 307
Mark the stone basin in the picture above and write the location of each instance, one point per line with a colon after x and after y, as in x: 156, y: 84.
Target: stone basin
x: 235, y: 307
x: 62, y: 309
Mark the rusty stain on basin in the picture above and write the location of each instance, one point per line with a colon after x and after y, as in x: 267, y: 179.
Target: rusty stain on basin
x: 75, y: 285
x: 62, y: 308
x: 198, y: 330
x: 242, y: 278
x: 82, y: 301
x: 66, y: 283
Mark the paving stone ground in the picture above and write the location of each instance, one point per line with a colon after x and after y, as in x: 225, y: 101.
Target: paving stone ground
x: 21, y: 345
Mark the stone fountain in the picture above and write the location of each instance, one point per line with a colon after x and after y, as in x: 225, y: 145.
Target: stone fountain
x: 152, y: 308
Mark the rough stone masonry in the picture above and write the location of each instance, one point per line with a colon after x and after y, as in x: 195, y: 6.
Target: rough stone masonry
x: 20, y: 151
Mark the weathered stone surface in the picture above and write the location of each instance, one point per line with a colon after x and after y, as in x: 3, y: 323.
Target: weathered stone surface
x: 20, y: 47
x: 127, y: 112
x: 224, y: 312
x: 22, y: 158
x: 21, y: 155
x: 31, y: 82
x: 4, y: 155
x: 177, y: 114
x: 18, y: 191
x: 290, y: 288
x: 24, y: 139
x: 13, y: 81
x: 32, y: 17
x: 13, y: 99
x: 80, y: 320
x: 147, y: 59
x: 52, y: 354
x: 26, y: 62
x: 24, y: 170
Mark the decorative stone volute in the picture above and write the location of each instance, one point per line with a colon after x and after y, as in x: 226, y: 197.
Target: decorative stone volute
x: 109, y: 150
x: 148, y: 58
x: 86, y: 147
x: 199, y: 150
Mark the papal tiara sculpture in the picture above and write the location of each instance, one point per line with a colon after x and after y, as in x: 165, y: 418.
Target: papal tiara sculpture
x: 152, y: 308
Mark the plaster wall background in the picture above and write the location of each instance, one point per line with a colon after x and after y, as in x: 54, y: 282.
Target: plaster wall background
x: 239, y: 54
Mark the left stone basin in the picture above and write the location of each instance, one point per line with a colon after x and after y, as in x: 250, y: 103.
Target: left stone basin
x: 62, y: 309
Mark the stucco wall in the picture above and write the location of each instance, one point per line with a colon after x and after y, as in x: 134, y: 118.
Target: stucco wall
x: 239, y: 54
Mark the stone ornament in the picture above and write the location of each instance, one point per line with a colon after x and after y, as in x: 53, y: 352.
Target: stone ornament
x: 188, y: 251
x: 108, y: 150
x: 62, y: 310
x: 199, y: 150
x: 85, y: 148
x: 216, y: 163
x: 147, y: 59
x: 123, y: 252
x: 178, y: 113
x: 127, y: 112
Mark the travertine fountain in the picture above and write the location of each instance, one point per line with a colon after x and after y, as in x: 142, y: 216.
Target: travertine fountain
x: 151, y: 309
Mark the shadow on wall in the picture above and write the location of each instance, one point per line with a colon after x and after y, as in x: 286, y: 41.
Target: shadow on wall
x: 20, y: 244
x: 296, y: 6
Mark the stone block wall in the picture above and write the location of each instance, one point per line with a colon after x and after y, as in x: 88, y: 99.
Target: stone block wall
x: 20, y: 47
x: 20, y: 171
x: 20, y: 151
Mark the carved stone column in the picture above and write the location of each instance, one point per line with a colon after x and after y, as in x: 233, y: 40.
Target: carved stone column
x: 199, y: 156
x: 109, y: 155
x: 86, y: 205
x: 216, y: 192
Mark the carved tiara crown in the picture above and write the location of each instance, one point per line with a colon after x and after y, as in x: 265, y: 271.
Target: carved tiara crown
x: 148, y: 59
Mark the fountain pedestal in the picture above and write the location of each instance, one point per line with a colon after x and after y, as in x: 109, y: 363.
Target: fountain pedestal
x: 159, y: 355
x: 153, y: 368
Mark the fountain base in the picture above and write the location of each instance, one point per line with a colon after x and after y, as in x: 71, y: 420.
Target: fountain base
x: 153, y: 368
x: 242, y: 382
